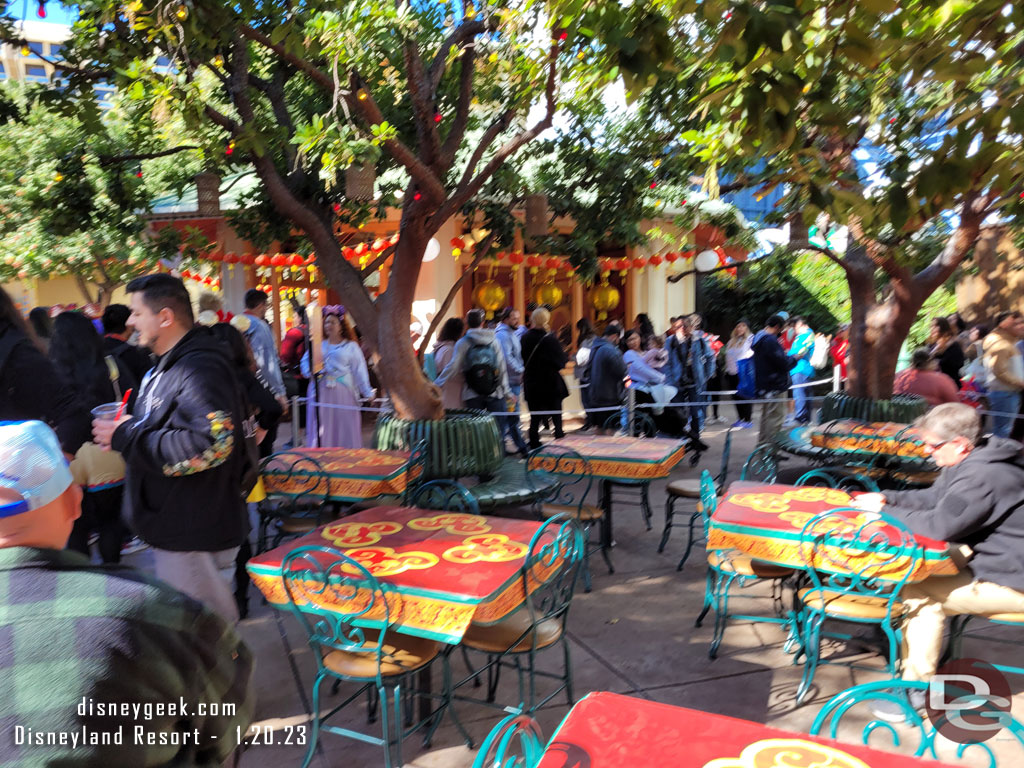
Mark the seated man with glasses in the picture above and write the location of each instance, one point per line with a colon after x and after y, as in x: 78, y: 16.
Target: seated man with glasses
x: 977, y: 501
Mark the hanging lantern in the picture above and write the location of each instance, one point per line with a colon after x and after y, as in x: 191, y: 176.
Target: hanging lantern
x: 639, y: 262
x: 215, y: 257
x: 379, y: 245
x: 230, y: 258
x: 262, y: 260
x: 708, y: 236
x: 622, y: 265
x: 296, y: 260
x: 311, y: 259
x: 348, y: 253
x: 515, y: 259
x: 655, y: 260
x: 458, y: 242
x: 499, y: 256
x: 362, y: 249
x: 489, y: 296
x: 671, y: 257
x: 533, y: 261
x: 553, y: 263
x: 279, y: 260
x: 432, y: 250
x: 548, y: 294
x: 706, y: 261
x: 606, y: 266
x: 605, y: 298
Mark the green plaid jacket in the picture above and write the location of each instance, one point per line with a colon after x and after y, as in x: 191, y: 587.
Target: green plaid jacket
x: 92, y: 654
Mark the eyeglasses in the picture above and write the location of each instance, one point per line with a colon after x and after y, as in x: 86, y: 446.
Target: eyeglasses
x: 933, y: 447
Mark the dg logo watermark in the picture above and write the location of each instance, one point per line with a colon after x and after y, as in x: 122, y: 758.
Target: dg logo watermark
x: 968, y: 701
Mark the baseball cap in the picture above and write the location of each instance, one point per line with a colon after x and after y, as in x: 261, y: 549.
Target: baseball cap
x: 32, y: 464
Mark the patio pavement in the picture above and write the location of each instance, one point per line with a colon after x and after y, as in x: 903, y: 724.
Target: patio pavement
x: 634, y: 634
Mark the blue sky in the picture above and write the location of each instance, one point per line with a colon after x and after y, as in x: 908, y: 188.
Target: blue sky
x: 55, y: 12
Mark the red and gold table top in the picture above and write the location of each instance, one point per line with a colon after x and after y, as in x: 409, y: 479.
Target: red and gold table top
x: 626, y: 458
x: 355, y: 473
x: 852, y: 436
x: 765, y: 521
x: 607, y: 730
x: 447, y: 568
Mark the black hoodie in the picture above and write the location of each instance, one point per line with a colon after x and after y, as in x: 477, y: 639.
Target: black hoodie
x: 978, y: 502
x: 185, y: 451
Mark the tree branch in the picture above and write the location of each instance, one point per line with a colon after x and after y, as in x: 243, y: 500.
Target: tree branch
x: 467, y: 67
x: 478, y: 255
x: 423, y: 105
x: 114, y: 159
x: 824, y: 252
x: 463, y: 194
x: 976, y: 209
x: 465, y: 31
x: 495, y: 129
x: 318, y: 76
x: 377, y: 263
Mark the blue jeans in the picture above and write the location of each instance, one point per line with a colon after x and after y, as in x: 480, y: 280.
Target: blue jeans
x: 801, y: 398
x: 1006, y: 405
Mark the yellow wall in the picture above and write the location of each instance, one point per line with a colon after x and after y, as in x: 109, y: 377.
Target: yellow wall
x: 997, y: 282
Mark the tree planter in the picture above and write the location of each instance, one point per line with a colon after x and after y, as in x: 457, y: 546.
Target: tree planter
x: 736, y: 252
x: 708, y: 236
x: 901, y: 409
x: 463, y: 443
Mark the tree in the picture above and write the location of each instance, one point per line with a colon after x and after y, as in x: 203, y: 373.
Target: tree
x: 446, y: 93
x: 902, y: 121
x: 72, y: 199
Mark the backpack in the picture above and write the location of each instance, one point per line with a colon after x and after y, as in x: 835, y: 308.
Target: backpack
x: 480, y: 369
x: 819, y: 355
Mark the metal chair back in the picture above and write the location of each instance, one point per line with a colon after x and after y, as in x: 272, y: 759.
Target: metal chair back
x: 415, y: 471
x: 852, y: 552
x: 515, y: 742
x: 549, y: 573
x: 841, y: 479
x: 708, y: 499
x: 339, y: 603
x: 300, y: 481
x: 761, y: 465
x: 723, y: 470
x: 447, y: 495
x: 569, y: 468
x: 819, y: 478
x: 920, y: 732
x: 643, y: 424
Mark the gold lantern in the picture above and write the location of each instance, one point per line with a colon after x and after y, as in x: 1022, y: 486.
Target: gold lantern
x: 548, y: 294
x: 489, y: 296
x: 605, y: 298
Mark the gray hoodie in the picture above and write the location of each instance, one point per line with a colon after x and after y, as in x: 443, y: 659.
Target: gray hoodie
x: 454, y: 368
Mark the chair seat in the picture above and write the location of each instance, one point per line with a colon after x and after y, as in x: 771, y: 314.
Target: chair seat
x: 402, y: 653
x: 732, y: 561
x: 687, y: 489
x: 298, y: 524
x: 1008, y: 618
x: 586, y: 513
x: 497, y: 638
x: 510, y: 487
x: 841, y: 604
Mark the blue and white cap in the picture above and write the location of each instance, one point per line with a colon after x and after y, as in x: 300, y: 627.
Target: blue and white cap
x: 32, y: 465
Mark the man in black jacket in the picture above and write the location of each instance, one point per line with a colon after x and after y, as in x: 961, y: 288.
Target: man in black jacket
x: 606, y: 382
x: 978, y: 502
x: 184, y: 447
x: 115, y: 341
x: 771, y: 377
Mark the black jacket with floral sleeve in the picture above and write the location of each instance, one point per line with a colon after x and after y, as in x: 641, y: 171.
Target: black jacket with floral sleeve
x: 185, y: 451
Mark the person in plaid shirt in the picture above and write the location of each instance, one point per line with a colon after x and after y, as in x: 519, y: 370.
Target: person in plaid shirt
x: 101, y: 666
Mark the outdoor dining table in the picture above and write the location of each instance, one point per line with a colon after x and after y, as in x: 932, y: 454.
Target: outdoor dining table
x: 448, y: 569
x: 623, y: 460
x: 354, y: 474
x: 608, y: 730
x: 765, y: 521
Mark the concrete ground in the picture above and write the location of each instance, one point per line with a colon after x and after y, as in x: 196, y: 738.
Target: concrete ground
x: 634, y: 634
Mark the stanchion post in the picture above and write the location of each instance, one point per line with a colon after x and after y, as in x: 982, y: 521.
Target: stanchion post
x: 631, y: 408
x: 836, y: 378
x: 296, y: 423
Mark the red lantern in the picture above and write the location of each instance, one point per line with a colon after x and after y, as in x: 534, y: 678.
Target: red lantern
x: 215, y: 257
x: 688, y: 254
x: 297, y: 260
x: 186, y: 274
x: 622, y: 265
x: 348, y: 253
x: 379, y: 245
x: 671, y: 257
x: 361, y: 249
x: 655, y: 260
x: 262, y: 260
x: 553, y: 262
x: 458, y: 242
x: 639, y: 262
x: 515, y: 258
x: 207, y: 281
x: 607, y: 265
x: 499, y: 256
x: 230, y: 258
x: 311, y: 259
x: 394, y: 239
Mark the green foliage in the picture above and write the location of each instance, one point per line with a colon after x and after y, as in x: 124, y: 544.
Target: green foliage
x: 68, y: 205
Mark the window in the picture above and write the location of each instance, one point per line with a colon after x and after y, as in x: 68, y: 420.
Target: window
x: 36, y: 48
x: 36, y: 73
x: 56, y: 50
x: 163, y: 61
x: 3, y: 72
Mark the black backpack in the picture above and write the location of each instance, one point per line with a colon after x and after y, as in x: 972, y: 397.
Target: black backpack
x: 480, y: 369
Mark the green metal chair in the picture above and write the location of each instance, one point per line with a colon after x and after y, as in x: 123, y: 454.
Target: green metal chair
x: 549, y: 579
x: 515, y: 742
x: 919, y: 732
x: 840, y: 478
x: 958, y: 631
x: 569, y: 495
x: 691, y: 489
x: 728, y: 567
x: 857, y: 568
x: 299, y: 502
x: 448, y: 495
x: 636, y: 490
x: 348, y: 617
x: 761, y: 465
